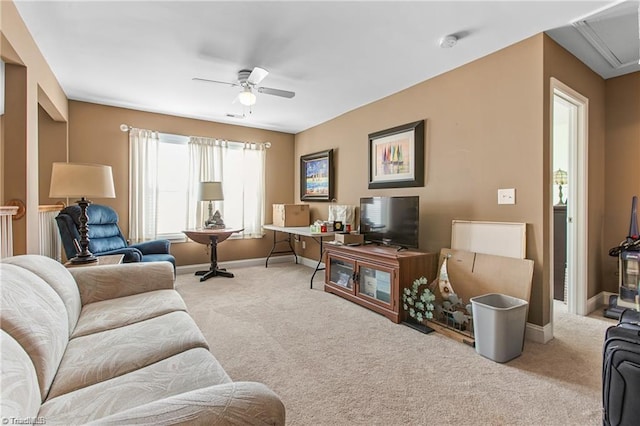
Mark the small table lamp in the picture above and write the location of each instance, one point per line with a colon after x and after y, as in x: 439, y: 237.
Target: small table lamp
x: 212, y: 191
x: 82, y: 180
x: 560, y: 178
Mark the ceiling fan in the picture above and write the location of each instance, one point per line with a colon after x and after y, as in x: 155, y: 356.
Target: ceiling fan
x: 248, y: 80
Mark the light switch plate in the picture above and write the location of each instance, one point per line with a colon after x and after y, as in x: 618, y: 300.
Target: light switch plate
x: 507, y: 196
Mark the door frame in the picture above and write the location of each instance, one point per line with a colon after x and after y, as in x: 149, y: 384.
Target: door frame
x: 577, y: 209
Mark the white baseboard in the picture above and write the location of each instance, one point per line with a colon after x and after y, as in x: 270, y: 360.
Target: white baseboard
x: 598, y: 300
x: 593, y: 303
x: 538, y: 334
x: 605, y: 297
x: 190, y: 269
x: 311, y: 263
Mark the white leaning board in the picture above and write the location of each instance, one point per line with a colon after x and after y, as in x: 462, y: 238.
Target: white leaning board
x: 497, y: 238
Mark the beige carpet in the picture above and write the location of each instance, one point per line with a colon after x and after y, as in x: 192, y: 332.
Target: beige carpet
x: 335, y: 363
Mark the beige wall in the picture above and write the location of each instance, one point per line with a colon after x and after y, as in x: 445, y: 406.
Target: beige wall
x: 52, y: 147
x: 19, y: 46
x: 484, y: 131
x: 95, y: 136
x: 488, y: 127
x: 14, y: 168
x: 622, y: 157
x: 37, y: 85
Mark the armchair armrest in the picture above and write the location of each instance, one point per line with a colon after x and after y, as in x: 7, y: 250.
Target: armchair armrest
x: 97, y: 283
x: 131, y: 254
x: 153, y: 247
x: 238, y: 403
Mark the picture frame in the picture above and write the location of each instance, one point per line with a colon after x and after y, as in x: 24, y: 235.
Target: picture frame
x: 316, y: 176
x: 396, y: 157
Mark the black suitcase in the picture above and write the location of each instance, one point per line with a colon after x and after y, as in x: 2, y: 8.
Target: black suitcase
x: 621, y: 372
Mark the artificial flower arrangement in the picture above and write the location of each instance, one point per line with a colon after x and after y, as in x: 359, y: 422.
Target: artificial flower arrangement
x: 419, y: 304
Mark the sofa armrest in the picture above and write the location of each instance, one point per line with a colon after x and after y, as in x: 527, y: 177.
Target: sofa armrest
x: 237, y: 403
x: 153, y: 247
x: 98, y: 283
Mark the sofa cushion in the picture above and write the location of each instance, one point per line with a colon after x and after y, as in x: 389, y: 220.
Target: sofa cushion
x: 58, y: 277
x: 19, y: 393
x: 34, y: 315
x: 114, y: 313
x: 190, y: 370
x: 102, y: 356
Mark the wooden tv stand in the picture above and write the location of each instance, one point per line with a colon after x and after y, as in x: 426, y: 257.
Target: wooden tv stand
x: 375, y: 276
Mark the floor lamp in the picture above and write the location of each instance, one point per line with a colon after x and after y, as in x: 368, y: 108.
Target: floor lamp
x: 82, y: 180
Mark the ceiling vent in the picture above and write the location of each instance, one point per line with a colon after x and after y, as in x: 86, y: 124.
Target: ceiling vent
x: 614, y: 34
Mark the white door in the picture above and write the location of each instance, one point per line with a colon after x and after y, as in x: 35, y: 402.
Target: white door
x: 570, y: 109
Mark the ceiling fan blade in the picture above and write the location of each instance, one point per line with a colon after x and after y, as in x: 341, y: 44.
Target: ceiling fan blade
x: 206, y: 80
x: 257, y: 75
x: 276, y: 92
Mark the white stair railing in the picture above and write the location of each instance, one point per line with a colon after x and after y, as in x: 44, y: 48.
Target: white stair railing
x: 50, y: 242
x: 6, y: 230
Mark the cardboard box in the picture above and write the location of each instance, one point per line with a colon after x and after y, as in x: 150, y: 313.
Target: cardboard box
x: 475, y: 274
x: 291, y: 215
x: 347, y: 238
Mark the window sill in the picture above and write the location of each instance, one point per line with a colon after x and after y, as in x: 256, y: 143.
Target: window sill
x: 174, y: 238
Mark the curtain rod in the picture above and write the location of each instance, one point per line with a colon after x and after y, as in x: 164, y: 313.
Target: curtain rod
x: 127, y: 128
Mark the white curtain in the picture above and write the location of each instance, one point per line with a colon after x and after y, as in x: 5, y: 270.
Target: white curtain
x: 242, y: 184
x: 344, y: 213
x: 143, y: 184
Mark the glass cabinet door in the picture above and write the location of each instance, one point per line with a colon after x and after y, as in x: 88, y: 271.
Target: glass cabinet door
x: 341, y: 272
x: 375, y: 282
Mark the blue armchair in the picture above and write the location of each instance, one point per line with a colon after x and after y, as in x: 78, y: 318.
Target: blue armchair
x: 106, y: 238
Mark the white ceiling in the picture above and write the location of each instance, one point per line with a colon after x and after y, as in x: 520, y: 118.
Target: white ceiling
x: 336, y: 56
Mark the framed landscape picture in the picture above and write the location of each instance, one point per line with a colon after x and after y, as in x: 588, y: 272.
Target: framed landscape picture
x: 396, y: 157
x: 316, y: 176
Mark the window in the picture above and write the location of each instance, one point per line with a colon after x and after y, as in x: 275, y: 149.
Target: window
x: 240, y: 168
x: 173, y: 186
x: 165, y: 173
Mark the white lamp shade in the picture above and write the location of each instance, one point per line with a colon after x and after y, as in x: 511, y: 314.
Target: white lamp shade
x: 210, y: 191
x: 247, y: 98
x: 81, y: 180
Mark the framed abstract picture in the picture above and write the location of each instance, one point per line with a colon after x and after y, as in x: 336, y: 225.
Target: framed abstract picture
x: 396, y: 157
x: 316, y: 176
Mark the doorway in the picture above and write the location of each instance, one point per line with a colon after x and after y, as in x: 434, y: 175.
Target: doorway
x: 569, y: 112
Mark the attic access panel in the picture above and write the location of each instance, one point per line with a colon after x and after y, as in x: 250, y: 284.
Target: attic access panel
x: 614, y: 34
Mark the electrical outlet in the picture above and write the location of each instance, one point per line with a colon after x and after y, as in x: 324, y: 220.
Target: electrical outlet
x: 304, y: 245
x: 507, y: 196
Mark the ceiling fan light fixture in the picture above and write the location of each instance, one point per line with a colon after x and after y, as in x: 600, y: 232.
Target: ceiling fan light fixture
x: 246, y: 97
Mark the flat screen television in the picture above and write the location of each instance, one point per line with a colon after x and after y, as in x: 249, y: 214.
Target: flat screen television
x: 390, y: 221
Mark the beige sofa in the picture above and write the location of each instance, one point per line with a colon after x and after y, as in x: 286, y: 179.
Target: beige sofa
x: 112, y: 345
